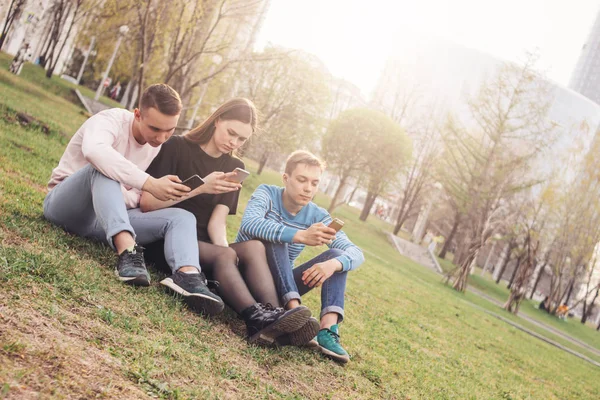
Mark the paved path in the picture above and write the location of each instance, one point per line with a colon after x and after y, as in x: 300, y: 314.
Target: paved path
x: 91, y: 106
x: 422, y: 256
x: 415, y: 252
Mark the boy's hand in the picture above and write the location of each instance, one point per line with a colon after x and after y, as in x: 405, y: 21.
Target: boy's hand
x: 316, y: 235
x: 319, y: 273
x: 168, y: 187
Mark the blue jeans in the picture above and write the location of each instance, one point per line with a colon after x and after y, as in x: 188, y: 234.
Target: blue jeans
x: 91, y: 205
x: 288, y: 280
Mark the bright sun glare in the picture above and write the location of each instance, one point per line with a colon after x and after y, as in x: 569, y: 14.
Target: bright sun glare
x: 355, y: 37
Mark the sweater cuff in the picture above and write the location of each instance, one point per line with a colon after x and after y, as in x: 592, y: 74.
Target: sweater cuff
x: 138, y: 179
x: 288, y: 234
x: 345, y: 262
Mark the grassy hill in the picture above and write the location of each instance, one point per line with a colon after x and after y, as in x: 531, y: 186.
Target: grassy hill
x: 69, y: 329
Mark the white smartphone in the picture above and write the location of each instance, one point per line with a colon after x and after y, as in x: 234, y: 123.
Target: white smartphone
x: 193, y: 182
x: 240, y: 175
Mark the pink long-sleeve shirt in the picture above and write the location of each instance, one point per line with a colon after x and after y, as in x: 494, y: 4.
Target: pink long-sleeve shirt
x: 106, y: 141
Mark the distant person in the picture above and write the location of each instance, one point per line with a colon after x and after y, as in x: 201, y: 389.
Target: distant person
x: 286, y: 220
x: 562, y: 311
x: 96, y: 187
x: 22, y: 56
x: 543, y: 306
x: 115, y: 91
x: 245, y: 285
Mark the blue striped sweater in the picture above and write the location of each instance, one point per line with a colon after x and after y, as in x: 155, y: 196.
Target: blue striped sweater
x: 266, y: 219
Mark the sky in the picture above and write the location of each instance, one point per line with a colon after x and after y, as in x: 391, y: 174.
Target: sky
x: 354, y: 38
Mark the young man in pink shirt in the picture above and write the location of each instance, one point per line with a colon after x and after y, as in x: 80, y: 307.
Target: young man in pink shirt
x: 96, y: 188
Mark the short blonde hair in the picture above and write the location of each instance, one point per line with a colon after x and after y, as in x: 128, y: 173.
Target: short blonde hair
x: 303, y: 157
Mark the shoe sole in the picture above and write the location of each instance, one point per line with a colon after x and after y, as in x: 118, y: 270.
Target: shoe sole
x: 198, y: 302
x: 334, y: 356
x: 305, y: 336
x: 140, y: 280
x: 292, y: 321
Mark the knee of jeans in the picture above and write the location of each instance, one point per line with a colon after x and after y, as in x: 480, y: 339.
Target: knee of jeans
x: 335, y: 253
x: 181, y: 217
x: 275, y: 246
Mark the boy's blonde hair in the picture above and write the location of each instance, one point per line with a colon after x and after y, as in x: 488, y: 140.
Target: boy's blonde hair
x: 303, y: 157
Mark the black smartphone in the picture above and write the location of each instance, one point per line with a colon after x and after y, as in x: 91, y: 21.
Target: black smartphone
x: 193, y: 182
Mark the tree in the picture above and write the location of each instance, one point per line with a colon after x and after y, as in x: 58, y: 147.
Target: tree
x: 343, y: 147
x: 290, y: 89
x: 490, y: 160
x: 15, y: 9
x: 419, y: 174
x: 64, y: 15
x: 387, y: 154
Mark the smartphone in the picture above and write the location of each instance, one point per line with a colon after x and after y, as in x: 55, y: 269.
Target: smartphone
x: 336, y: 224
x: 193, y: 182
x: 240, y: 175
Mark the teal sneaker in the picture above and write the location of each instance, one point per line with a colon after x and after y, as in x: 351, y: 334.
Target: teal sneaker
x: 329, y: 343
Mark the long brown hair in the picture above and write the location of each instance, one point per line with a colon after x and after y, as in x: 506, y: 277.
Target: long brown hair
x: 239, y: 109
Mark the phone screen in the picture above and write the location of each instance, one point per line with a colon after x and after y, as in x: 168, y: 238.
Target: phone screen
x: 193, y: 182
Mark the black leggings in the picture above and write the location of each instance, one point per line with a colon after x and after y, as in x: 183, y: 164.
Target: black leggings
x: 239, y: 287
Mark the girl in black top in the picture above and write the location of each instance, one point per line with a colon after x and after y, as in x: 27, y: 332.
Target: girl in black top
x: 207, y: 150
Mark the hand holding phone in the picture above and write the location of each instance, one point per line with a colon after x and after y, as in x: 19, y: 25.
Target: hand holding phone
x: 218, y: 182
x: 336, y: 224
x: 240, y: 175
x: 193, y: 182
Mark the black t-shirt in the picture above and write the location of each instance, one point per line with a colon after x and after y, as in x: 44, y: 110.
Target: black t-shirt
x: 184, y: 159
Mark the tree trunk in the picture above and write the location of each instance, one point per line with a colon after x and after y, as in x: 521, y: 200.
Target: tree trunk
x: 371, y: 197
x: 537, y: 280
x: 587, y: 311
x: 263, y: 161
x: 571, y: 285
x: 334, y: 199
x: 10, y: 17
x: 505, y: 263
x: 450, y: 236
x: 515, y: 271
x: 353, y: 192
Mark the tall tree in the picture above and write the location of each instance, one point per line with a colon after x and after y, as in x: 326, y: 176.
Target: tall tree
x: 15, y: 9
x: 388, y: 153
x: 488, y: 161
x: 343, y: 147
x: 291, y: 90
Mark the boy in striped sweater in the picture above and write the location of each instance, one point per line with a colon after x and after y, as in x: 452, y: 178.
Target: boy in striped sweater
x: 287, y: 220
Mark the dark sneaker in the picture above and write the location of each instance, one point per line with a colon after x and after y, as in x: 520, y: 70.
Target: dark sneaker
x: 195, y: 292
x: 265, y: 323
x: 131, y: 268
x: 329, y: 342
x: 305, y: 336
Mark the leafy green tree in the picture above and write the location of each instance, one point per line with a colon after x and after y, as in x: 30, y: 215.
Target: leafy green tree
x: 291, y: 92
x: 344, y: 144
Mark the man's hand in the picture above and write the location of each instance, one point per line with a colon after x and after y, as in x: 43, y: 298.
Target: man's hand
x: 319, y: 273
x: 316, y: 235
x: 168, y: 187
x: 217, y: 183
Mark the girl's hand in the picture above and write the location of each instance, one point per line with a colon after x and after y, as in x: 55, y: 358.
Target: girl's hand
x: 217, y: 183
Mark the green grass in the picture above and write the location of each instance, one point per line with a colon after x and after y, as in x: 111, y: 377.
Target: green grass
x: 68, y: 329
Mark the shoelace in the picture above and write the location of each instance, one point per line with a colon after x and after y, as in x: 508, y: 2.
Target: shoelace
x: 270, y: 307
x: 208, y: 282
x: 334, y: 335
x: 136, y: 256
